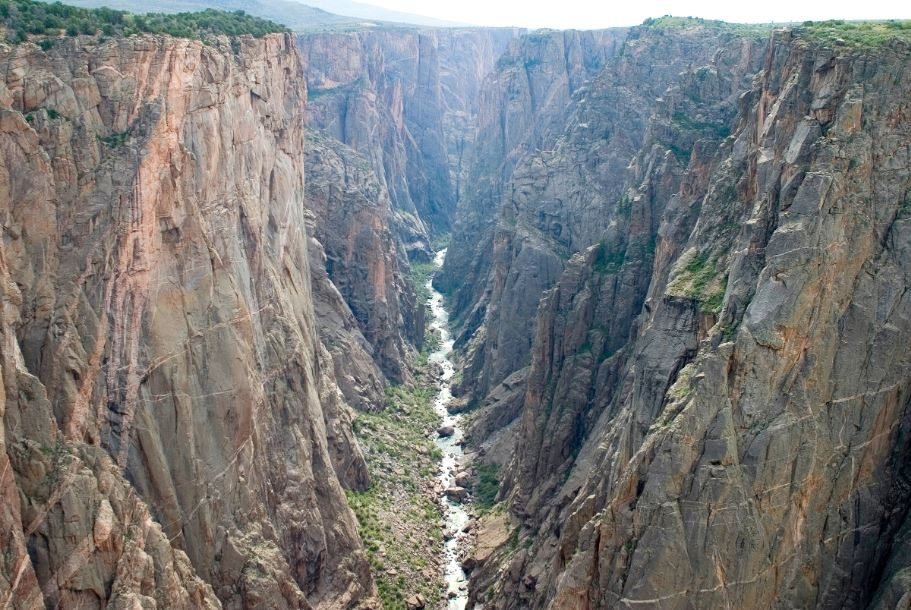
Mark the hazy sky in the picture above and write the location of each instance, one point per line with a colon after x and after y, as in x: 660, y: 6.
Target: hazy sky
x: 598, y: 14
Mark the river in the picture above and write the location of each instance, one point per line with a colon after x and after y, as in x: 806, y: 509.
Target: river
x: 455, y: 515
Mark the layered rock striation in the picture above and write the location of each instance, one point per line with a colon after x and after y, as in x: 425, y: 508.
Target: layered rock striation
x: 405, y: 100
x: 717, y: 403
x: 171, y: 423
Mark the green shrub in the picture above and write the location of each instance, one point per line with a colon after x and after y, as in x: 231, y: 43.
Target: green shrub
x: 488, y: 485
x: 605, y: 262
x: 686, y: 123
x: 29, y: 17
x: 115, y: 139
x: 855, y: 34
x: 701, y: 280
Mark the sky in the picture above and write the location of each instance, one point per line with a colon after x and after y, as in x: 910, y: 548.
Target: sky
x: 598, y: 14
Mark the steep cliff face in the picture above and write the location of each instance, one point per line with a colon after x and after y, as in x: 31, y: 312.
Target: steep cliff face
x: 164, y: 438
x: 388, y: 94
x: 717, y: 406
x: 521, y: 102
x: 351, y: 219
x: 568, y: 190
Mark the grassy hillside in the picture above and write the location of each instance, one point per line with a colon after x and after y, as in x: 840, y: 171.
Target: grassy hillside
x: 291, y: 14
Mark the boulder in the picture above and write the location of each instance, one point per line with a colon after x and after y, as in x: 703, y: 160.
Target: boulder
x: 456, y: 494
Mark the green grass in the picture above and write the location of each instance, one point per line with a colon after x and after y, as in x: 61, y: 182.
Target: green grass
x: 699, y: 280
x: 398, y: 518
x: 44, y: 22
x: 712, y: 303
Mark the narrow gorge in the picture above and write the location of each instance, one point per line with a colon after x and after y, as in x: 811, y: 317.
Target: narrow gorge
x: 352, y: 314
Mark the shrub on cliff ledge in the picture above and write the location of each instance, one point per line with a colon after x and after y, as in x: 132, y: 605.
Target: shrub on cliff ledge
x: 22, y: 19
x: 856, y: 34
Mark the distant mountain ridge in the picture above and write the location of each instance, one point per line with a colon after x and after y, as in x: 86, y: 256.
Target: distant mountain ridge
x: 378, y: 13
x: 317, y: 14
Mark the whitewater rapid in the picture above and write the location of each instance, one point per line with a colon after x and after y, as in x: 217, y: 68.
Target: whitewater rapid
x: 455, y: 515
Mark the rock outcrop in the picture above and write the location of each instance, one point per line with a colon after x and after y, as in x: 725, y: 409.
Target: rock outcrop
x: 164, y: 438
x: 563, y: 184
x: 719, y: 391
x: 355, y: 250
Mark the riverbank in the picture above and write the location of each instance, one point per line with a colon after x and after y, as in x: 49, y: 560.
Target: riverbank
x: 398, y: 517
x: 415, y: 519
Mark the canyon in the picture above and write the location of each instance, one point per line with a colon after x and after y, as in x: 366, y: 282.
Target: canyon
x: 414, y: 317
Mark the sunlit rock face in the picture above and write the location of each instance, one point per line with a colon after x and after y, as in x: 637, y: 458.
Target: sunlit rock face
x: 164, y: 438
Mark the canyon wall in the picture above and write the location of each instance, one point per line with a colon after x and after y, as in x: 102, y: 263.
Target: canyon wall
x: 715, y: 411
x: 171, y: 422
x: 351, y: 222
x: 564, y: 168
x: 405, y: 100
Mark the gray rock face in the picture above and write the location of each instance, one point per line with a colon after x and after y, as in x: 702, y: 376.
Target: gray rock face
x: 351, y: 219
x: 405, y: 100
x: 719, y: 398
x: 165, y: 442
x: 567, y: 181
x: 520, y: 102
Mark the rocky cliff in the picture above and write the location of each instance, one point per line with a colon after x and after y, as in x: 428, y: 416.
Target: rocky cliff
x: 522, y: 106
x: 164, y: 438
x: 564, y: 170
x: 717, y: 403
x: 377, y: 318
x: 405, y: 100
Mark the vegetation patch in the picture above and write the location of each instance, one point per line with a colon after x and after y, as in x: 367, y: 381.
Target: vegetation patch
x: 683, y: 121
x: 487, y: 486
x: 432, y: 342
x: 857, y: 34
x: 399, y: 517
x: 115, y: 139
x: 683, y: 386
x: 699, y: 279
x: 712, y: 302
x: 418, y: 276
x: 741, y: 29
x: 607, y: 262
x: 440, y: 241
x: 23, y: 20
x: 682, y: 154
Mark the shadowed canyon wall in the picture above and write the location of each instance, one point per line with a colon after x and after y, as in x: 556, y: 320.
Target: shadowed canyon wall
x: 405, y: 100
x: 714, y: 409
